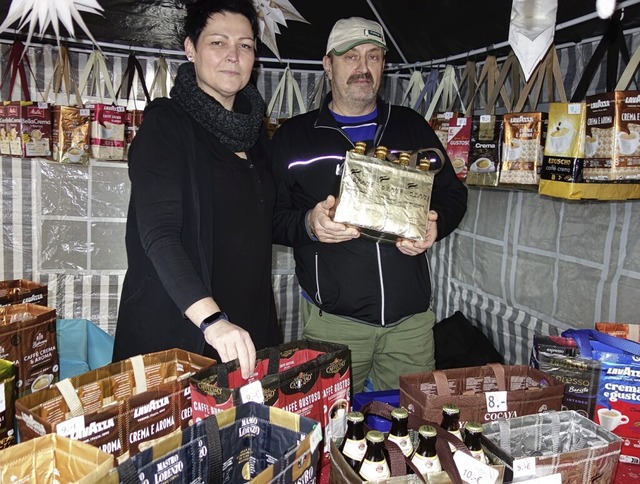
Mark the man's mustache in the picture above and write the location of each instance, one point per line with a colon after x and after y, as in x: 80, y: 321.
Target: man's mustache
x: 358, y: 77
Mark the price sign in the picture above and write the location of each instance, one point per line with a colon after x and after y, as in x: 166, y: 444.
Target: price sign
x: 316, y: 437
x: 252, y: 392
x: 485, y: 118
x: 524, y: 467
x: 473, y: 471
x: 496, y: 401
x: 574, y: 108
x: 71, y: 427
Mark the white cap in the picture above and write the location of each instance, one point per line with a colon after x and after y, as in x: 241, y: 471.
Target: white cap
x: 349, y: 32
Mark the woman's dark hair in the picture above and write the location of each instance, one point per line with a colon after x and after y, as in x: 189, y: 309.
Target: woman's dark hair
x: 199, y: 12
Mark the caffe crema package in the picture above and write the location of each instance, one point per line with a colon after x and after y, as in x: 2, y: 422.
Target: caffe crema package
x: 484, y: 150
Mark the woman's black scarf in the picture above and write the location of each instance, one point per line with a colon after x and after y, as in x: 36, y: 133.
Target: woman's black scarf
x: 239, y: 129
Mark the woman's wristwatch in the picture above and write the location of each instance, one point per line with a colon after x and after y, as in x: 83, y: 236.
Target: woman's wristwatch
x: 213, y: 319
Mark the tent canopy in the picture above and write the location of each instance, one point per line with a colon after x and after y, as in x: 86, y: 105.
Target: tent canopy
x: 417, y: 30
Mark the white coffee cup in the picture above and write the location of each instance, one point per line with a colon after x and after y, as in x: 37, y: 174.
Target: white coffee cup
x: 42, y: 381
x: 74, y: 154
x: 513, y: 149
x: 560, y: 139
x: 590, y: 146
x: 611, y: 418
x: 628, y: 142
x: 458, y: 164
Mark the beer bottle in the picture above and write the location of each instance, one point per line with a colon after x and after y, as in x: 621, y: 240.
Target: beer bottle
x: 405, y: 158
x: 425, y: 458
x: 354, y: 444
x: 381, y: 152
x: 451, y: 421
x: 399, y: 432
x: 472, y: 439
x: 374, y: 465
x: 360, y: 147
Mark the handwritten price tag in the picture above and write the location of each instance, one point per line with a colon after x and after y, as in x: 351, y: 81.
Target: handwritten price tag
x: 574, y: 108
x: 473, y: 471
x: 252, y: 392
x: 524, y: 467
x: 496, y: 401
x: 70, y: 427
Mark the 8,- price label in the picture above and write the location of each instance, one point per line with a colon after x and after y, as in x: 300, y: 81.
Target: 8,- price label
x: 473, y: 471
x: 496, y: 401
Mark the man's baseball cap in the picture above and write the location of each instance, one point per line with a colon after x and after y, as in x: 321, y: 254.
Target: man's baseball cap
x: 349, y: 32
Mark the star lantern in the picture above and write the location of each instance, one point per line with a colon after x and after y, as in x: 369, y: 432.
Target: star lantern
x: 272, y: 14
x: 54, y: 12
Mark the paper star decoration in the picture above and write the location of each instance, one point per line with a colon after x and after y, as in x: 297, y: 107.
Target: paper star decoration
x: 54, y: 12
x: 271, y: 14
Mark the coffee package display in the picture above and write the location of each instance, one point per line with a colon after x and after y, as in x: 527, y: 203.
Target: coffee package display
x: 5, y: 147
x: 133, y: 121
x: 458, y: 141
x: 612, y: 146
x: 71, y: 134
x: 28, y: 339
x: 440, y: 123
x: 116, y: 407
x: 7, y: 397
x: 28, y: 128
x: 20, y: 291
x: 484, y: 150
x: 522, y: 148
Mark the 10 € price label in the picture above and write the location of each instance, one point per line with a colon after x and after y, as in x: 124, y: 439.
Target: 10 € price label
x: 473, y: 471
x: 496, y: 401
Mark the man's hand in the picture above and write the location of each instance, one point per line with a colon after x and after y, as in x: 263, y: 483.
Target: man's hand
x: 231, y: 342
x: 324, y: 228
x: 415, y: 247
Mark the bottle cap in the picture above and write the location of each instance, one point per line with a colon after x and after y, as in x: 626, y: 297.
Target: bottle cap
x: 473, y: 427
x: 427, y: 431
x: 450, y: 408
x: 399, y: 413
x: 375, y: 436
x: 355, y: 417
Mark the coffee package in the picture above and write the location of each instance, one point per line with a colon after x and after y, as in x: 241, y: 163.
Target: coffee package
x: 5, y: 147
x: 564, y: 151
x: 522, y: 148
x: 29, y: 128
x: 612, y: 146
x: 459, y: 136
x: 28, y: 339
x: 620, y: 330
x: 107, y: 132
x: 440, y: 123
x: 133, y: 121
x: 71, y: 134
x: 484, y: 150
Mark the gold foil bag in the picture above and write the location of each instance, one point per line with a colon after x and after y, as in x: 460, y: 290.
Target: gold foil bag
x: 385, y: 200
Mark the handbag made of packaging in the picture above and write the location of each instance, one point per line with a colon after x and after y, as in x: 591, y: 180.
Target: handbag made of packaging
x: 483, y: 393
x: 53, y: 459
x: 618, y: 386
x: 310, y: 378
x: 107, y: 119
x: 544, y: 444
x: 116, y: 407
x: 386, y: 200
x: 249, y: 443
x: 342, y: 472
x: 7, y: 397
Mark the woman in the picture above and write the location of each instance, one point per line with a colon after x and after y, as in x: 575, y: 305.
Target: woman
x: 199, y: 225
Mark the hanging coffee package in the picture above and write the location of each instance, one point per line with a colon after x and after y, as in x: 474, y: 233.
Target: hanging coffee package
x: 484, y: 150
x: 70, y: 134
x: 522, y: 148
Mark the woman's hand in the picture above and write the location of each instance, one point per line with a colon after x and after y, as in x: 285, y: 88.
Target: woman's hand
x: 231, y: 342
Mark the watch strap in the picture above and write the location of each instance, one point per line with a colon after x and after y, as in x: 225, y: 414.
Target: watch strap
x: 213, y: 319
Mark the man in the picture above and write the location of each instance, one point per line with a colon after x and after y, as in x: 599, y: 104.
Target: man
x: 372, y: 296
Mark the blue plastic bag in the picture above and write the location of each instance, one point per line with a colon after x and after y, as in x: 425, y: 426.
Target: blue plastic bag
x: 82, y: 346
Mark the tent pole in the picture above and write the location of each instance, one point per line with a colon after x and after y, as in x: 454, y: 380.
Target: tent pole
x: 393, y: 41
